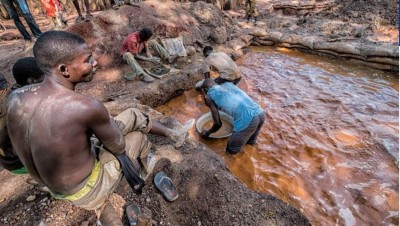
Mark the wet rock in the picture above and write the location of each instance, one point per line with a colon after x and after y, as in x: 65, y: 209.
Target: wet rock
x: 219, y: 35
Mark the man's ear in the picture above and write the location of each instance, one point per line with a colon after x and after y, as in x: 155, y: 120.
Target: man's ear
x: 62, y: 68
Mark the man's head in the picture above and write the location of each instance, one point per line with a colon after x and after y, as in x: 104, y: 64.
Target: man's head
x: 26, y: 71
x: 208, y: 83
x: 65, y: 54
x: 145, y: 34
x: 207, y: 50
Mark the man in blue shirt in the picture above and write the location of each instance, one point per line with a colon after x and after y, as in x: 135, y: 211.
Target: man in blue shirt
x: 248, y: 116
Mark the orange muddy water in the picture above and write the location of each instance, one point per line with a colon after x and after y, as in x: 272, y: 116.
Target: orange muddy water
x: 329, y: 145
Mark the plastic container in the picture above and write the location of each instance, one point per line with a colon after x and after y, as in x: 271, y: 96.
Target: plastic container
x: 206, y: 121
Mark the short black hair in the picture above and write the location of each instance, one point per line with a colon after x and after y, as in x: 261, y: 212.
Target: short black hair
x: 206, y: 50
x: 145, y: 34
x: 25, y: 68
x: 55, y: 47
x: 3, y: 82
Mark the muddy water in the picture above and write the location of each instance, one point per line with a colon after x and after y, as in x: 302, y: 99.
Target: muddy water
x: 330, y: 142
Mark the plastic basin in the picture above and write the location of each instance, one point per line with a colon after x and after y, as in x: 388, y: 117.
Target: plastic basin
x: 206, y: 121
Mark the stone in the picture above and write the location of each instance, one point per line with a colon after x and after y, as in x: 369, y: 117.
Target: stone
x: 219, y: 35
x: 8, y: 36
x: 190, y: 50
x: 31, y: 198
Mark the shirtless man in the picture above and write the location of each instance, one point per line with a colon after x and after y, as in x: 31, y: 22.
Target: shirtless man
x: 53, y: 127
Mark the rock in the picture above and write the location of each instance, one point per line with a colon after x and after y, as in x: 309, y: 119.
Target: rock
x: 190, y: 50
x: 258, y: 32
x: 8, y: 36
x: 31, y: 198
x: 219, y: 35
x: 85, y: 223
x: 358, y: 33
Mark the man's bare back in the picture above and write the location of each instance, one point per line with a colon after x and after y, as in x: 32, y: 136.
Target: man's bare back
x: 60, y: 158
x: 52, y: 124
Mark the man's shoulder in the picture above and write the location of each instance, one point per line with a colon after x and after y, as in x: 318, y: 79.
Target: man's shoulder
x: 217, y: 55
x: 221, y: 54
x: 82, y: 102
x: 24, y: 92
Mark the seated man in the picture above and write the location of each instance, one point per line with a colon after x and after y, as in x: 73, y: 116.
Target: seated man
x: 221, y: 63
x: 25, y: 72
x: 248, y: 117
x: 136, y: 44
x: 54, y: 127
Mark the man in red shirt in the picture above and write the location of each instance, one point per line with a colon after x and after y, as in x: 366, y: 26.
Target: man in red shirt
x: 136, y: 44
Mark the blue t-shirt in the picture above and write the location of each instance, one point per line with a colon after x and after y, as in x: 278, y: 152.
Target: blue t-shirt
x: 236, y: 103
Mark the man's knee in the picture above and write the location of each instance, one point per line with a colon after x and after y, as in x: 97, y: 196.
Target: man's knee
x: 127, y: 56
x: 152, y: 43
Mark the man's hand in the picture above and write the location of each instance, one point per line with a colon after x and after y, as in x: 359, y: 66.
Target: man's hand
x: 155, y: 60
x: 205, y: 134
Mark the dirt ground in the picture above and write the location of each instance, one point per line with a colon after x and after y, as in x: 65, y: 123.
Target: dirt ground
x: 209, y: 193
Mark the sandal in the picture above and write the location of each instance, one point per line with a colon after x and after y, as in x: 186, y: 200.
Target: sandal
x: 79, y: 19
x: 164, y: 184
x: 89, y: 17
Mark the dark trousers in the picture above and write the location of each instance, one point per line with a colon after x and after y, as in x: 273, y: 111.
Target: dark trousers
x: 8, y: 4
x: 249, y: 135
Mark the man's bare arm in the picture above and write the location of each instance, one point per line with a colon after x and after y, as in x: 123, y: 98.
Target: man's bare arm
x: 104, y: 128
x: 216, y: 117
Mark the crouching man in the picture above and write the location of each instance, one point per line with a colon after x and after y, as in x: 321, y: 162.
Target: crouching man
x: 221, y: 63
x: 248, y: 116
x: 138, y: 46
